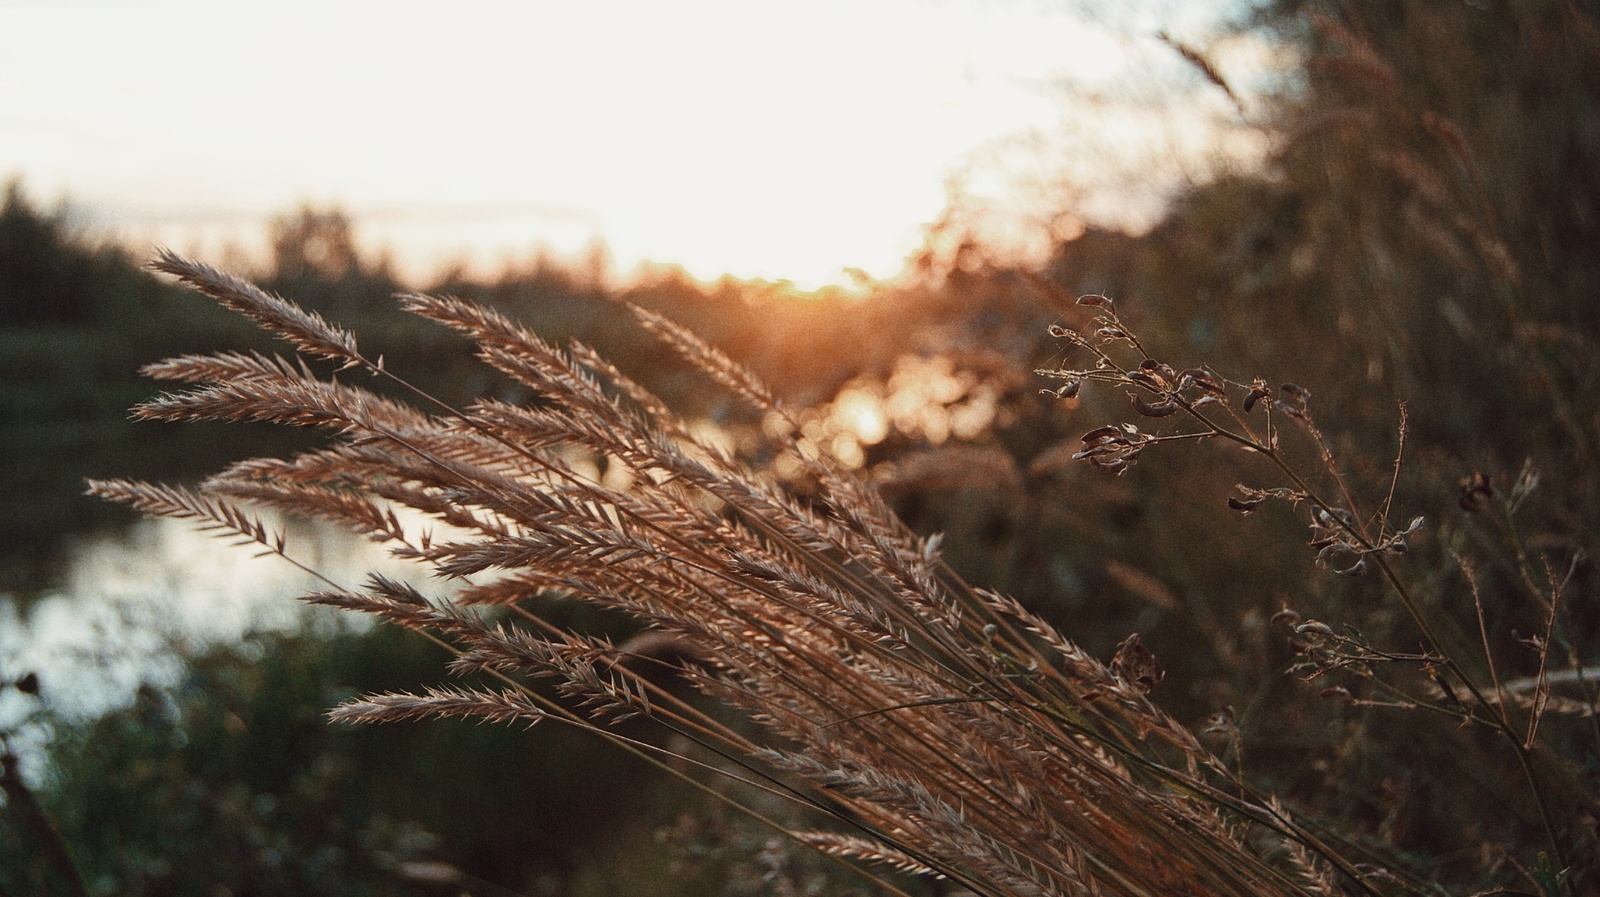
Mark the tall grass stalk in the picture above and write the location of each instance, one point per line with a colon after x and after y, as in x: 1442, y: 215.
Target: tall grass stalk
x: 925, y: 725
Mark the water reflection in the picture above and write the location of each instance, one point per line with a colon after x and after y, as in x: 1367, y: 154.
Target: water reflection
x: 132, y: 606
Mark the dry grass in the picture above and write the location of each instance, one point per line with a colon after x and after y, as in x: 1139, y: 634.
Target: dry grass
x: 936, y: 728
x: 1450, y: 671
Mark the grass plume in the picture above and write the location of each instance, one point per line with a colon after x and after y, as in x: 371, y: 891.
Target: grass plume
x: 936, y: 728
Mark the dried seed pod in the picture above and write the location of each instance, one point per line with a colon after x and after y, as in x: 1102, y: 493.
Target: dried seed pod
x: 1111, y: 465
x: 1067, y: 390
x: 1244, y: 505
x: 1258, y: 391
x: 1337, y: 518
x: 1162, y: 374
x: 1154, y: 409
x: 1098, y: 301
x: 1299, y: 399
x: 1331, y: 551
x: 1201, y: 379
x: 1359, y: 568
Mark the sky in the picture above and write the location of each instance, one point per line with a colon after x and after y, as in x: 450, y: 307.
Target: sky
x: 776, y: 140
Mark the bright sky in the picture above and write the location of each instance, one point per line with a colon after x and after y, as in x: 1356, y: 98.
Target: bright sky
x: 784, y: 140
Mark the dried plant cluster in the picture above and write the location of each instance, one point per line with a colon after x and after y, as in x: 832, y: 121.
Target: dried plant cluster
x: 920, y: 723
x: 1448, y: 673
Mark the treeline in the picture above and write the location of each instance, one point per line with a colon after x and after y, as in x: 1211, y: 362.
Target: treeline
x: 79, y: 317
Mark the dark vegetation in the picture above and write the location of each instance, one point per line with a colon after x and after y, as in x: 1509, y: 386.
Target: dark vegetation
x: 1423, y: 234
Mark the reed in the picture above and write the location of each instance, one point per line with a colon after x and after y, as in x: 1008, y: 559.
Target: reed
x: 931, y: 727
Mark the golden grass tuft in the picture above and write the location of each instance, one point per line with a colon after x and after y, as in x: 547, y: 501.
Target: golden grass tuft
x: 934, y: 728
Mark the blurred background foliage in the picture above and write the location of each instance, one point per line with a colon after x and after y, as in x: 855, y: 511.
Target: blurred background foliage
x: 1424, y: 231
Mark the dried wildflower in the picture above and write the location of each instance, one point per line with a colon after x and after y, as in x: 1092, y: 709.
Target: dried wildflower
x: 1333, y: 535
x: 1113, y: 449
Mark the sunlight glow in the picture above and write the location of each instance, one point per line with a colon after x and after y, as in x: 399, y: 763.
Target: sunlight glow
x: 762, y: 140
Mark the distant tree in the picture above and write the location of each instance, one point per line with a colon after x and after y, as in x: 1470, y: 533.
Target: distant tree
x: 42, y: 280
x: 315, y: 244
